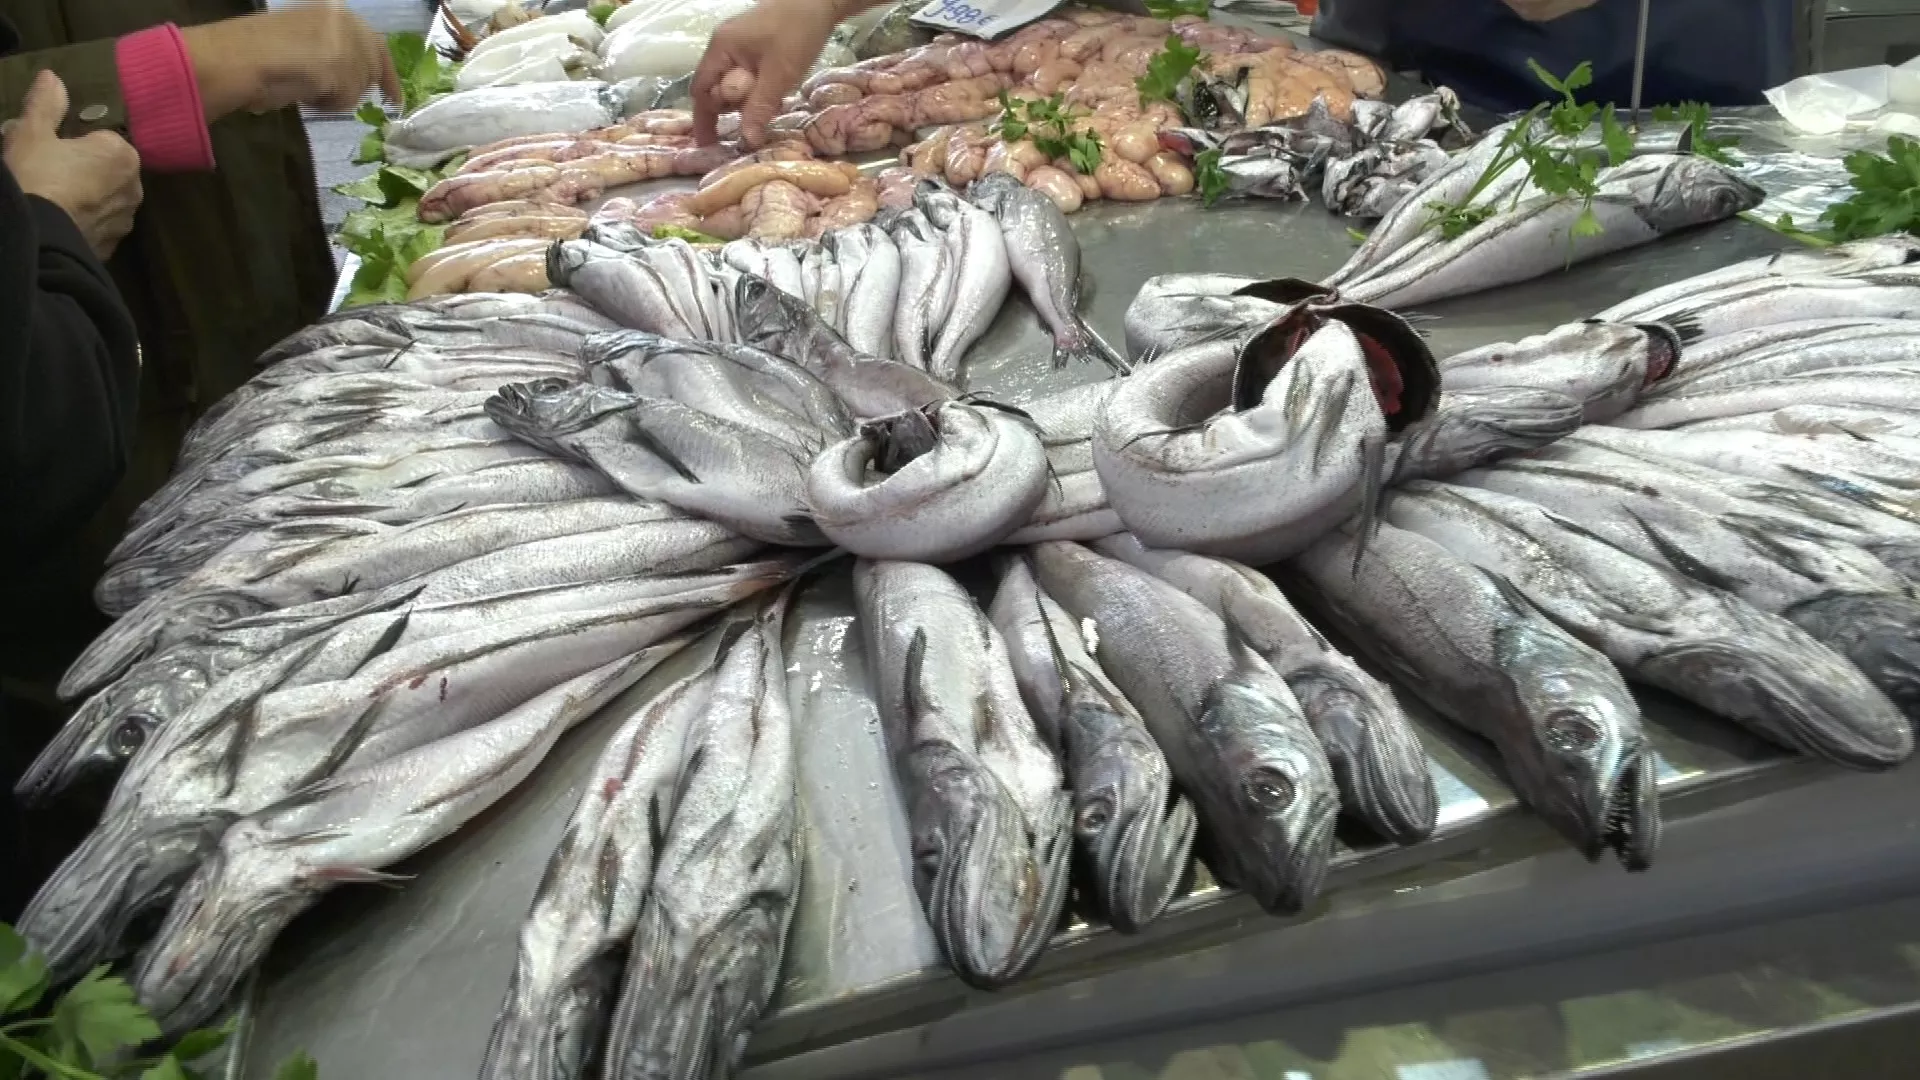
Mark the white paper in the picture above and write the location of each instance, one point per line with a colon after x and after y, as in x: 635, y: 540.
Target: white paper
x: 1822, y: 104
x: 986, y: 19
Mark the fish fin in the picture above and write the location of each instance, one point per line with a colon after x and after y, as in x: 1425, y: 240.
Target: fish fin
x: 1677, y: 557
x: 360, y: 875
x: 1373, y: 465
x: 659, y: 450
x: 811, y: 566
x: 980, y: 400
x: 1687, y: 326
x: 912, y: 671
x: 388, y: 639
x: 656, y: 828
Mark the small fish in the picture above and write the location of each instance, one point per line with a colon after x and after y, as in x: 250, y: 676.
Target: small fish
x: 777, y: 323
x: 1470, y: 428
x: 1838, y: 261
x: 1604, y: 366
x: 931, y: 485
x: 1476, y: 650
x: 1229, y: 726
x: 982, y: 274
x: 1044, y: 258
x: 871, y: 264
x: 926, y: 266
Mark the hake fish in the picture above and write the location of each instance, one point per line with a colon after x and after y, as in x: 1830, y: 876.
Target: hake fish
x: 1661, y: 628
x: 1134, y: 833
x: 982, y: 275
x: 871, y: 265
x: 1378, y: 763
x: 1470, y: 428
x: 871, y: 387
x: 1844, y: 598
x: 1483, y: 656
x: 926, y: 268
x: 272, y: 865
x: 931, y: 485
x: 589, y: 900
x: 1173, y: 311
x: 704, y: 959
x: 991, y: 823
x: 1838, y: 261
x: 1895, y: 387
x: 1230, y: 727
x: 659, y: 449
x: 1639, y: 201
x: 736, y: 382
x: 1044, y: 258
x: 1604, y: 366
x: 1712, y: 365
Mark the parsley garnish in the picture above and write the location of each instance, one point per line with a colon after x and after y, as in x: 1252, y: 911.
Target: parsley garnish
x: 1168, y: 68
x: 1695, y: 115
x: 1886, y: 193
x: 1209, y: 177
x: 1173, y: 9
x: 1047, y: 123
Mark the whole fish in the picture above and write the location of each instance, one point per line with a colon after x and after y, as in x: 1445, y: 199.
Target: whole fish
x: 1604, y: 366
x: 1173, y: 311
x: 662, y: 450
x: 920, y: 308
x: 1133, y: 832
x: 239, y: 751
x: 705, y: 954
x: 1375, y: 755
x: 273, y: 864
x: 733, y: 382
x: 1470, y: 428
x: 872, y: 269
x: 590, y: 897
x: 982, y: 275
x: 931, y: 485
x: 1838, y: 261
x: 1640, y: 201
x: 1889, y: 293
x: 775, y: 262
x: 460, y: 121
x: 1229, y: 726
x: 826, y: 283
x: 1851, y: 345
x: 630, y: 289
x: 1044, y: 257
x: 1184, y: 471
x: 1476, y: 650
x: 1861, y: 387
x: 1840, y: 595
x: 1703, y: 354
x: 1705, y: 645
x: 771, y: 320
x: 427, y: 362
x: 1818, y: 420
x: 991, y: 824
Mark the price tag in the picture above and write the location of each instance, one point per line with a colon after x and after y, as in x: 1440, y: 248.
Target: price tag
x: 986, y: 19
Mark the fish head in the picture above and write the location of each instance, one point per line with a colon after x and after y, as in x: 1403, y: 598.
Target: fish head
x: 1376, y: 757
x: 1878, y: 632
x: 1399, y: 366
x: 991, y: 190
x: 901, y: 438
x: 110, y: 727
x: 1216, y: 102
x: 974, y: 864
x: 938, y: 201
x: 1693, y: 191
x: 1472, y: 428
x: 553, y: 408
x: 1135, y: 831
x: 224, y: 918
x: 1188, y: 142
x: 1271, y: 816
x: 1585, y: 765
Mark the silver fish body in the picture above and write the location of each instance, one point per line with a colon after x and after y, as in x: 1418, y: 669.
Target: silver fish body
x: 1892, y: 293
x: 1604, y: 366
x: 990, y: 821
x: 982, y: 275
x: 926, y: 266
x: 1839, y: 261
x: 1852, y: 344
x: 1044, y: 257
x: 1173, y: 311
x: 733, y: 382
x: 1229, y: 726
x: 871, y: 265
x: 1133, y: 832
x: 1376, y: 757
x: 1894, y: 387
x: 1818, y: 420
x: 1484, y: 657
x: 871, y: 387
x: 1470, y: 428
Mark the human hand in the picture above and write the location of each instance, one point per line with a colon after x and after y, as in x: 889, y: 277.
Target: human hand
x: 1547, y: 10
x: 94, y: 178
x: 756, y: 58
x: 317, y: 54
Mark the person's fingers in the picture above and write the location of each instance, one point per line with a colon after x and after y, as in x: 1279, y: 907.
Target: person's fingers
x: 705, y: 89
x: 759, y: 110
x: 45, y: 106
x: 389, y: 77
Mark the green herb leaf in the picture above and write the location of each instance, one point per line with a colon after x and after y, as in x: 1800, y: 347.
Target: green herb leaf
x: 298, y: 1067
x: 1615, y: 138
x: 372, y: 148
x: 1172, y: 64
x: 398, y: 183
x: 23, y: 973
x: 681, y: 232
x: 167, y: 1068
x: 1546, y: 76
x: 1886, y: 196
x: 195, y: 1045
x: 1209, y: 177
x: 423, y: 75
x: 601, y: 12
x: 1173, y: 9
x: 97, y: 1018
x: 1696, y: 115
x: 1084, y: 150
x: 1587, y: 224
x: 367, y: 189
x: 1356, y: 236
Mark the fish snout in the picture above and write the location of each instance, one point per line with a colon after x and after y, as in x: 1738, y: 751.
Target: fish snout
x: 1283, y: 862
x: 1663, y: 350
x: 1139, y: 857
x: 998, y: 892
x: 1879, y: 633
x: 215, y: 933
x: 1377, y: 761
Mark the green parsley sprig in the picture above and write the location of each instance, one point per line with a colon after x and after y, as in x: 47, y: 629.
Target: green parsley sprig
x: 1167, y: 70
x: 1695, y: 115
x: 1173, y: 9
x: 1208, y: 177
x: 1886, y: 194
x: 600, y: 11
x: 95, y: 1030
x: 1048, y: 124
x: 423, y: 76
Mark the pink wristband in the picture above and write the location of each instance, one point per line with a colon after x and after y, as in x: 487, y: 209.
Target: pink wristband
x: 165, y: 120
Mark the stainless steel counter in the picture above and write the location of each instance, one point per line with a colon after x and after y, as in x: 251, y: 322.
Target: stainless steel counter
x: 405, y: 982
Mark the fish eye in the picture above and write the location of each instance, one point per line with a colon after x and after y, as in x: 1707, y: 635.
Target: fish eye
x: 1569, y: 732
x: 1269, y: 788
x: 1094, y: 815
x: 129, y: 735
x: 927, y: 861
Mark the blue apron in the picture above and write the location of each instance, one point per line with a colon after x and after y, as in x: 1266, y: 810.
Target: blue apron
x: 1722, y: 52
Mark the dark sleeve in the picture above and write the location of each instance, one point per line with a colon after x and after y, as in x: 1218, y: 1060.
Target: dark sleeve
x: 69, y: 374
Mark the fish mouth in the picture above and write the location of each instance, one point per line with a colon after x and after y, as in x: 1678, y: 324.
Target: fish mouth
x: 997, y: 897
x: 1624, y: 814
x: 1140, y: 868
x: 1780, y: 695
x: 549, y: 1036
x: 96, y: 740
x: 1401, y: 369
x: 1285, y: 881
x: 1378, y: 763
x: 1663, y: 350
x: 211, y: 938
x: 1879, y: 633
x: 125, y: 867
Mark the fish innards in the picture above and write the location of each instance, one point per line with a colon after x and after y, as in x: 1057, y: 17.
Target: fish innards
x: 1187, y: 602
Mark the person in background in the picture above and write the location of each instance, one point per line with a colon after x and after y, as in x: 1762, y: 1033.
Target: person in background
x: 226, y: 255
x: 1697, y: 50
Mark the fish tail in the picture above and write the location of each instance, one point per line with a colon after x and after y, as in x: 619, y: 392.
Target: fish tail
x: 1084, y: 345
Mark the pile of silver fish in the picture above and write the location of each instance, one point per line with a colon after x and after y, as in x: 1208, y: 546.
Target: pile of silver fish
x: 429, y: 539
